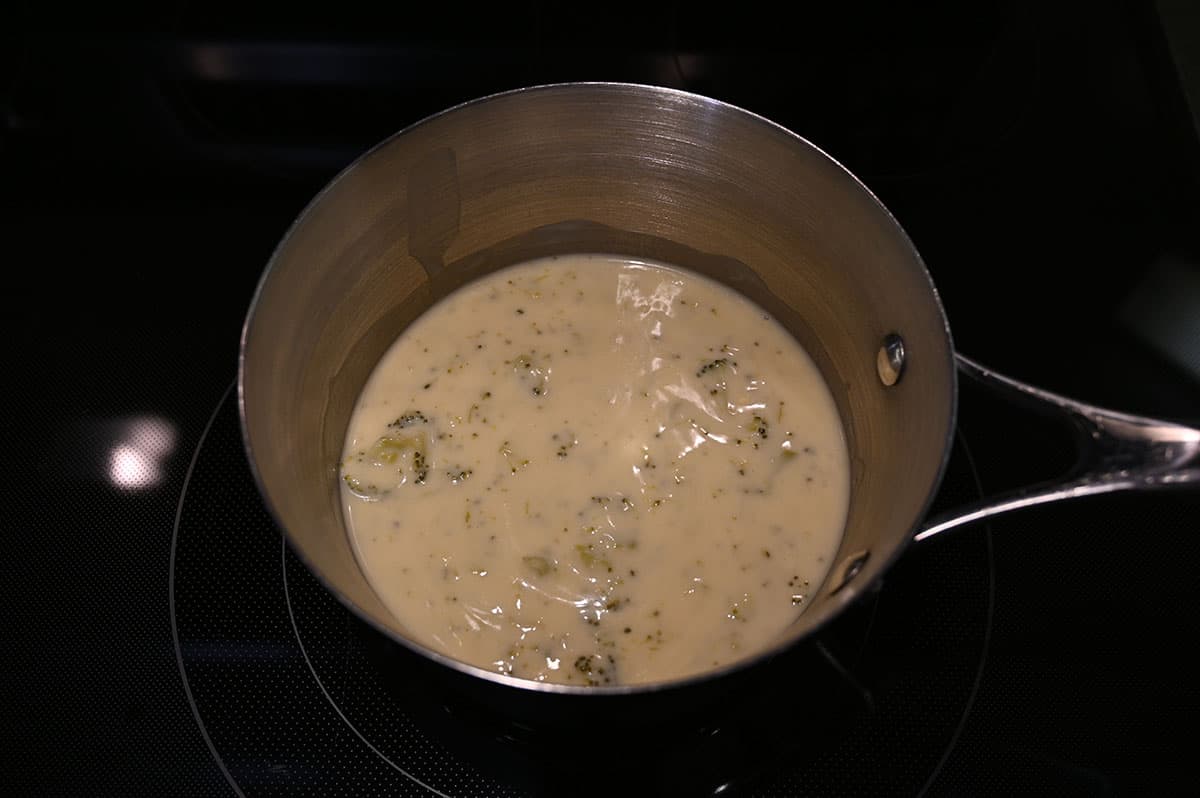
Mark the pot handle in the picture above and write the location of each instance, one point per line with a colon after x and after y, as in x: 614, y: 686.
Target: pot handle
x: 1116, y: 451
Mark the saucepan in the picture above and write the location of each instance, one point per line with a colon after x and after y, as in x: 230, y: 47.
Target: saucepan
x: 658, y: 174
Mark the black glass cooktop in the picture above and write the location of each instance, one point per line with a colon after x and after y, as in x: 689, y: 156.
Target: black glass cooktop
x: 158, y: 637
x: 286, y: 685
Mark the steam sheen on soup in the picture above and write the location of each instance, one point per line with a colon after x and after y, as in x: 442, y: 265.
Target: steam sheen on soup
x: 595, y: 471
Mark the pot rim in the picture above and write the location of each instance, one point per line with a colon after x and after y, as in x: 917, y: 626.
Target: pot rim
x: 832, y: 610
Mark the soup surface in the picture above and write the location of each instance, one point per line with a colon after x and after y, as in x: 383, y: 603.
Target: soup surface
x: 595, y: 471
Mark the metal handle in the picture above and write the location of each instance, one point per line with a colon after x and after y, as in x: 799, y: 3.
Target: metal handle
x: 1117, y: 451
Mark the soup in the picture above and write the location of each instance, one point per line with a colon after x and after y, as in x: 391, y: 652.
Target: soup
x: 592, y: 470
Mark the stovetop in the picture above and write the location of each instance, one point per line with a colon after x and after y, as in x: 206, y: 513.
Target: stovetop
x: 159, y: 638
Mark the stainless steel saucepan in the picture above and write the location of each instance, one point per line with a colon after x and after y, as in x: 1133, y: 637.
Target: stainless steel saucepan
x: 649, y: 173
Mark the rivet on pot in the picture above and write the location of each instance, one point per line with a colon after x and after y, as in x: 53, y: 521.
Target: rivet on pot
x: 848, y: 569
x: 889, y: 361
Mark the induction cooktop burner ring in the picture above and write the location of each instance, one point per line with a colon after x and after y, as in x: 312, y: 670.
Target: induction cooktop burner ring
x: 320, y: 684
x: 986, y: 532
x: 183, y: 677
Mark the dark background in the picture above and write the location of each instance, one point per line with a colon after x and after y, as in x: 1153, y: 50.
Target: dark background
x: 1044, y: 157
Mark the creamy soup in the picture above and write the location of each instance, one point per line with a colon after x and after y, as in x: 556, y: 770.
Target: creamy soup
x: 595, y: 471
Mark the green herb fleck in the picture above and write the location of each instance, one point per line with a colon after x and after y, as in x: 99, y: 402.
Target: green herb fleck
x: 457, y: 475
x: 409, y: 419
x: 539, y: 565
x: 758, y: 427
x: 713, y: 365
